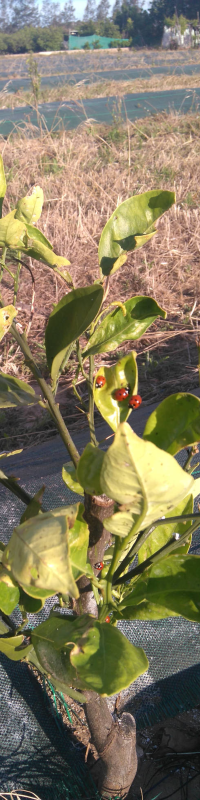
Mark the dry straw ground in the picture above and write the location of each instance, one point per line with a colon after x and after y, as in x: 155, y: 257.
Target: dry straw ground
x: 84, y: 175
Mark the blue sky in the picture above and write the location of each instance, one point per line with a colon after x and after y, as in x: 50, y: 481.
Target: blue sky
x: 79, y: 6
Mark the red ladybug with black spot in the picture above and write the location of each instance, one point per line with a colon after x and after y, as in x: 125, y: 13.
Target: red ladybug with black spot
x: 100, y: 381
x: 121, y: 394
x: 135, y: 401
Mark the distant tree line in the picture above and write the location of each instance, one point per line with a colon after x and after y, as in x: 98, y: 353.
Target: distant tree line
x: 25, y: 27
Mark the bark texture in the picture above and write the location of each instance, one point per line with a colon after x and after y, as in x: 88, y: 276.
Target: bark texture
x: 114, y: 739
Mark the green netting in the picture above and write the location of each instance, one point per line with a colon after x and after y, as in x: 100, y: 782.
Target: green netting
x: 36, y: 752
x: 69, y: 115
x: 78, y: 42
x: 71, y: 78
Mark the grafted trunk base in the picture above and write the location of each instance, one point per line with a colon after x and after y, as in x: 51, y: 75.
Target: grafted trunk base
x: 115, y: 742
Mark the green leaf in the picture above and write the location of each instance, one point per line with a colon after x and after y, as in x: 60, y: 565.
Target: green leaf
x: 78, y: 547
x: 117, y: 328
x: 38, y: 554
x: 69, y: 476
x: 130, y: 226
x: 7, y: 314
x: 14, y: 392
x: 101, y: 658
x: 161, y: 535
x: 53, y: 640
x: 68, y: 320
x: 122, y: 374
x: 145, y: 611
x: 172, y: 583
x: 89, y: 468
x: 3, y: 627
x: 35, y: 235
x: 34, y: 507
x: 9, y: 592
x: 106, y: 661
x: 12, y: 647
x: 175, y: 423
x: 29, y: 208
x: 30, y: 604
x: 12, y: 231
x: 2, y: 184
x: 146, y: 482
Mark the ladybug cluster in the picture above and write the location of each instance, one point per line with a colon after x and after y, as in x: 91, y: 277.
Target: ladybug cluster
x: 121, y: 394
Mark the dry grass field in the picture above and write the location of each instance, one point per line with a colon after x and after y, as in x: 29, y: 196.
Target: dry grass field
x: 85, y: 174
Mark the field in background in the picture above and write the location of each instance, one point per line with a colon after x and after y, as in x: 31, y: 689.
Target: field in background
x: 84, y: 175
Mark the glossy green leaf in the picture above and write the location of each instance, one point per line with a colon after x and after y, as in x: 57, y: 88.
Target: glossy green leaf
x: 12, y: 647
x: 145, y: 481
x: 34, y: 507
x: 3, y: 627
x: 35, y: 235
x: 106, y: 661
x: 78, y: 547
x: 173, y: 583
x: 175, y: 423
x: 130, y: 226
x: 164, y: 532
x: 12, y: 231
x: 122, y: 374
x: 38, y: 554
x: 29, y: 208
x: 9, y: 592
x: 46, y: 670
x: 36, y: 249
x: 145, y: 611
x: 7, y: 314
x: 68, y: 320
x: 69, y: 476
x: 2, y: 184
x: 14, y: 392
x: 117, y: 328
x: 101, y: 658
x: 89, y: 469
x: 53, y: 641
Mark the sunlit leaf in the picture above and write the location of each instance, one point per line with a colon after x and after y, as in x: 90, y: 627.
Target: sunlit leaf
x: 12, y: 231
x: 145, y: 481
x: 29, y: 208
x: 122, y: 374
x: 117, y: 328
x: 78, y: 547
x: 38, y: 554
x: 175, y: 423
x: 69, y: 476
x: 9, y: 592
x: 130, y: 226
x: 173, y: 583
x: 7, y: 314
x: 12, y: 647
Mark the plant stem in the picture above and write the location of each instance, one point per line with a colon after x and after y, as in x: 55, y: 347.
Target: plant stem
x: 48, y: 394
x: 145, y: 534
x: 91, y: 402
x: 13, y: 486
x: 189, y: 458
x: 3, y: 261
x: 16, y: 280
x: 168, y: 548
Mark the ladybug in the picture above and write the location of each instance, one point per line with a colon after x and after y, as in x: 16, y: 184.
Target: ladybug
x: 107, y: 619
x: 135, y: 401
x: 100, y: 381
x: 99, y: 565
x: 121, y: 394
